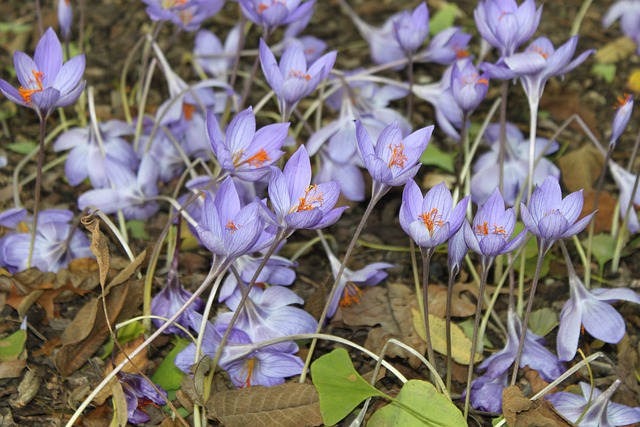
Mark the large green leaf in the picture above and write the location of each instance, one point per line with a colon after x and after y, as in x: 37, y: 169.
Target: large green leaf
x: 340, y: 387
x: 12, y: 346
x: 433, y: 156
x: 168, y: 375
x: 418, y: 398
x: 443, y: 19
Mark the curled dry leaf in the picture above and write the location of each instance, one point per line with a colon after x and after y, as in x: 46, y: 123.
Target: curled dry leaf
x: 387, y: 310
x: 285, y: 405
x: 461, y: 306
x: 581, y: 168
x: 520, y: 411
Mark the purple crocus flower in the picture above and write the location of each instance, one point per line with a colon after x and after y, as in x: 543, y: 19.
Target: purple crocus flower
x: 410, y: 29
x: 45, y: 82
x: 348, y: 291
x: 601, y: 411
x: 392, y: 161
x: 432, y: 220
x: 134, y: 194
x: 485, y: 176
x: 468, y: 87
x: 277, y: 271
x: 625, y: 181
x: 456, y: 250
x: 86, y: 158
x: 139, y: 393
x: 624, y: 108
x: 446, y: 47
x: 269, y: 14
x: 628, y: 12
x: 291, y: 80
x: 505, y: 25
x: 486, y: 391
x: 539, y: 62
x: 56, y: 241
x: 295, y: 203
x: 550, y: 217
x: 65, y: 18
x: 227, y: 228
x: 244, y: 152
x: 344, y: 169
x: 492, y: 227
x: 170, y: 299
x: 211, y: 56
x: 186, y: 14
x: 591, y: 309
x: 268, y: 314
x: 311, y: 46
x: 440, y: 95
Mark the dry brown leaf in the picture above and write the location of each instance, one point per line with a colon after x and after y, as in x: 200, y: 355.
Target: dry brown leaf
x: 461, y: 306
x: 388, y: 310
x: 48, y: 347
x: 99, y: 245
x: 628, y: 362
x: 12, y: 369
x: 285, y: 405
x: 581, y: 168
x: 520, y: 411
x: 606, y: 209
x: 563, y: 104
x: 615, y: 51
x: 536, y: 381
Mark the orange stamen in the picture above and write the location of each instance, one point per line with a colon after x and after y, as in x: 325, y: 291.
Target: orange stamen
x: 622, y: 101
x: 248, y: 369
x: 231, y: 226
x: 22, y: 227
x: 26, y: 93
x: 188, y: 110
x: 351, y: 295
x: 431, y: 220
x: 397, y: 156
x: 499, y: 230
x: 461, y: 53
x: 168, y: 4
x: 257, y: 160
x: 310, y: 200
x: 540, y: 51
x: 482, y: 229
x: 299, y: 74
x: 482, y: 81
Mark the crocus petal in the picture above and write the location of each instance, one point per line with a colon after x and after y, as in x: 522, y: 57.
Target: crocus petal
x: 70, y: 74
x: 48, y: 56
x: 602, y: 321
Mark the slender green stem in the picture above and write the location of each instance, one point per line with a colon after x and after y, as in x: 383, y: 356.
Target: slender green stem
x: 543, y: 248
x: 36, y: 200
x: 486, y: 264
x: 426, y: 260
x: 374, y: 200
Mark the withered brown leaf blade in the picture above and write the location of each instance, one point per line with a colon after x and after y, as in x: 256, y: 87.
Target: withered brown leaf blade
x: 285, y: 405
x: 520, y: 411
x: 581, y: 168
x: 99, y: 245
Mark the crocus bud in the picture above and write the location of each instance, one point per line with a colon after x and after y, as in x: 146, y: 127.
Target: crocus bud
x: 624, y: 109
x: 65, y: 17
x: 468, y: 87
x: 410, y: 29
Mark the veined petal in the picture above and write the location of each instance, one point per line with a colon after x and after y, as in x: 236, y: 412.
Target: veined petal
x: 602, y: 321
x: 11, y: 93
x: 70, y: 74
x: 48, y: 56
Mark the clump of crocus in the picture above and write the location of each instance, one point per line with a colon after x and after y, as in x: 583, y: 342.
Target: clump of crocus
x: 186, y: 14
x: 291, y: 80
x: 297, y: 204
x: 244, y: 152
x: 628, y: 12
x: 591, y: 309
x: 138, y: 394
x: 624, y: 108
x: 392, y: 161
x: 505, y: 25
x: 45, y: 82
x: 594, y: 408
x: 485, y: 176
x: 65, y: 18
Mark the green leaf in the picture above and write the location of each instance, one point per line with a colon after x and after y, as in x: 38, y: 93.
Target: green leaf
x: 136, y: 227
x: 606, y: 71
x: 12, y: 346
x: 467, y: 328
x: 168, y: 376
x: 340, y: 388
x: 125, y: 334
x: 433, y: 156
x: 425, y: 401
x: 443, y: 18
x: 14, y: 27
x: 543, y: 320
x: 24, y: 147
x: 603, y: 247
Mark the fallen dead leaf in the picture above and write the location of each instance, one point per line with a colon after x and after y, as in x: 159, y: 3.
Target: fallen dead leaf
x: 388, y: 310
x: 563, y: 104
x: 461, y: 306
x: 48, y: 347
x: 606, y: 209
x: 615, y: 51
x: 285, y: 405
x: 520, y: 411
x: 581, y: 168
x: 628, y: 365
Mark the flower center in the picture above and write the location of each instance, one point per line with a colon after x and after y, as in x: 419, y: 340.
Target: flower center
x: 26, y: 93
x: 431, y: 220
x: 257, y: 160
x: 299, y: 75
x: 397, y: 155
x: 310, y: 200
x: 188, y: 110
x: 168, y: 4
x: 186, y: 16
x: 351, y: 295
x: 483, y: 229
x: 622, y: 101
x: 231, y: 226
x: 264, y: 6
x: 248, y: 370
x: 461, y: 53
x: 540, y: 51
x: 474, y: 79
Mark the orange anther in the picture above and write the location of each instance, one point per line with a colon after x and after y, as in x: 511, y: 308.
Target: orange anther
x: 310, y: 200
x: 482, y: 229
x: 188, y: 110
x: 397, y: 155
x: 26, y: 93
